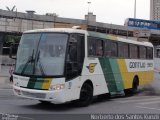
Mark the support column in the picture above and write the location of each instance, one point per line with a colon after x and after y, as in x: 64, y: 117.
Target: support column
x: 2, y: 39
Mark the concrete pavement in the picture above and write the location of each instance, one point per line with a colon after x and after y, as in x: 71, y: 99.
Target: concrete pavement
x: 5, y: 83
x: 6, y: 86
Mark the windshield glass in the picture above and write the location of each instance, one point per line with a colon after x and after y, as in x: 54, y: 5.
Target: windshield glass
x: 42, y: 54
x: 26, y: 50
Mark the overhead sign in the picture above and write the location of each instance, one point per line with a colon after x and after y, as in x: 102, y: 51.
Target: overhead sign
x: 141, y: 33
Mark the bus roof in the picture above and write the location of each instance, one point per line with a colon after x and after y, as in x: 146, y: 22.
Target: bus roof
x: 112, y: 37
x: 89, y: 33
x: 67, y: 30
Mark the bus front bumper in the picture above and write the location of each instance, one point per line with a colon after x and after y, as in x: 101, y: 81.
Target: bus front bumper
x: 56, y: 97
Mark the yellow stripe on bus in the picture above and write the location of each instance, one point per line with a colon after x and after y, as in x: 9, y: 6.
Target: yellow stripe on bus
x: 46, y: 83
x: 111, y: 37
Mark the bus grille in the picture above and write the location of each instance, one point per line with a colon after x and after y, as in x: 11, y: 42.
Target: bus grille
x: 35, y: 95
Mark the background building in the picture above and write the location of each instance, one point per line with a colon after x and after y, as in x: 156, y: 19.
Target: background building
x: 155, y: 9
x: 13, y: 24
x: 90, y: 17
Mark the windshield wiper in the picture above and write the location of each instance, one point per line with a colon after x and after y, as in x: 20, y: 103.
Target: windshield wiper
x: 40, y: 64
x: 30, y: 59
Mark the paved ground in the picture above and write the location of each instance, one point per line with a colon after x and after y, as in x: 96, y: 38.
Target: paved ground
x: 144, y: 102
x: 6, y: 86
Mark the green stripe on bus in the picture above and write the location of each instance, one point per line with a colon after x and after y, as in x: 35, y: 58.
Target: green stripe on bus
x: 103, y: 36
x: 31, y: 82
x: 112, y: 74
x: 117, y: 74
x: 108, y: 74
x: 39, y: 83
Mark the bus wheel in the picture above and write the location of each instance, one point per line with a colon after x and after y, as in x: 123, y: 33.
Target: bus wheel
x: 86, y: 95
x: 135, y: 85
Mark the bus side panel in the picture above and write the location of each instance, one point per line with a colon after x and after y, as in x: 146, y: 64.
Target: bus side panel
x: 112, y: 74
x: 130, y: 68
x: 92, y: 70
x: 72, y: 89
x: 127, y: 79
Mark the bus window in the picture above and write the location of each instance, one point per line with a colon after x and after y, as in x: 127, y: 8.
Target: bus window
x: 99, y: 48
x: 149, y: 53
x: 142, y: 52
x: 75, y: 54
x: 157, y: 53
x: 113, y: 46
x: 107, y: 51
x: 133, y: 51
x: 91, y: 46
x: 123, y: 50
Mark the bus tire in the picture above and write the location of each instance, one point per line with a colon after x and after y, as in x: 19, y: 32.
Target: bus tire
x: 135, y: 84
x: 86, y: 95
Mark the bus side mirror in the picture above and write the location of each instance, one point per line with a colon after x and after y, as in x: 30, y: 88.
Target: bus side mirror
x: 13, y: 51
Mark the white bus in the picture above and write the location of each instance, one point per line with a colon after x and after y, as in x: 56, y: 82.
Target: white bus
x: 61, y: 64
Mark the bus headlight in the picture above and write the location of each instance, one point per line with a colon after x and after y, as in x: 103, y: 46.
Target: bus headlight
x: 57, y: 87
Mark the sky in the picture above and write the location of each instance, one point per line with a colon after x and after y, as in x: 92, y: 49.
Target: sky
x: 106, y: 11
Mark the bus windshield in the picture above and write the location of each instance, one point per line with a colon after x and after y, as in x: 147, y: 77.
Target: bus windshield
x: 41, y: 54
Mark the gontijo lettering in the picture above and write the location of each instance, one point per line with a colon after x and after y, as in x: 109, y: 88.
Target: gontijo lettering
x: 137, y: 65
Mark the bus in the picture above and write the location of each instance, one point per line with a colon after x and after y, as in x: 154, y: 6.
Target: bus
x: 61, y: 65
x: 141, y: 23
